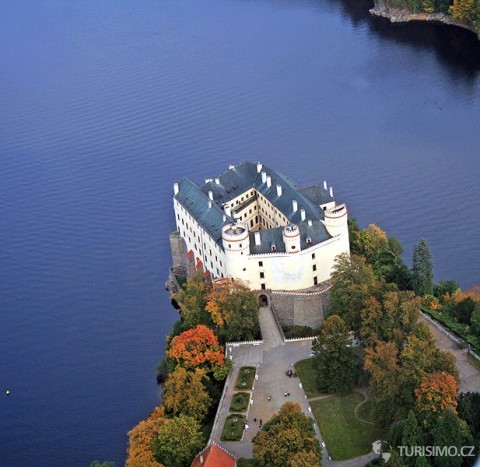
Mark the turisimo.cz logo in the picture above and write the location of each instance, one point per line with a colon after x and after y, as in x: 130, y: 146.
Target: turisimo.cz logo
x: 381, y: 447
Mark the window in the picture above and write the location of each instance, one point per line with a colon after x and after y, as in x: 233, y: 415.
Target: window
x: 293, y: 247
x: 262, y: 275
x: 314, y: 267
x: 229, y: 245
x: 313, y: 255
x: 260, y: 263
x: 315, y: 280
x: 240, y: 245
x: 221, y: 265
x: 251, y: 223
x: 263, y: 286
x: 274, y: 248
x: 244, y: 269
x: 250, y: 211
x: 256, y: 219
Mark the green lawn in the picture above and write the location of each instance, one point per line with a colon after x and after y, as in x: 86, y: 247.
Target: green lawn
x: 233, y: 428
x: 240, y: 402
x: 246, y: 375
x: 306, y: 374
x: 346, y: 436
x: 365, y: 411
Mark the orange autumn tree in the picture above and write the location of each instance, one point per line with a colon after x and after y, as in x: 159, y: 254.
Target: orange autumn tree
x: 199, y: 348
x: 140, y: 440
x: 437, y: 392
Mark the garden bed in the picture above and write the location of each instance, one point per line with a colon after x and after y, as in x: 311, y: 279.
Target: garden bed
x: 246, y: 376
x: 240, y: 401
x: 233, y: 428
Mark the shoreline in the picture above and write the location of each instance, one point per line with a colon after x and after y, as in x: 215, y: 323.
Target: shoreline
x: 396, y: 15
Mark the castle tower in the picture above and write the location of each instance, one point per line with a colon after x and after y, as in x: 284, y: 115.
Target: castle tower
x: 336, y: 222
x: 291, y: 238
x: 236, y: 243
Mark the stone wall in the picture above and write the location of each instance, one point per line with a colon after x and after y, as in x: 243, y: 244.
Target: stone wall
x: 300, y: 309
x: 177, y: 247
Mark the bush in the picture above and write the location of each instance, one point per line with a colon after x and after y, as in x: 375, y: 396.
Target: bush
x: 292, y: 332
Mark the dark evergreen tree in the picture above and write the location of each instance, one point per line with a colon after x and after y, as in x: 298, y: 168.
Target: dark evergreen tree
x: 463, y: 310
x: 334, y: 360
x: 422, y: 269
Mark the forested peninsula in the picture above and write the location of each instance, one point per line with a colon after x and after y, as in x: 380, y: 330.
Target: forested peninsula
x: 461, y: 13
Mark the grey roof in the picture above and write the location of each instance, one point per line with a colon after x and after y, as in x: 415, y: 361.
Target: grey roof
x: 242, y: 177
x: 196, y: 203
x: 316, y: 232
x: 316, y: 194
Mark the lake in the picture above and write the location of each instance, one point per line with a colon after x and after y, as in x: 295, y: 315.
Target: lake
x: 105, y: 104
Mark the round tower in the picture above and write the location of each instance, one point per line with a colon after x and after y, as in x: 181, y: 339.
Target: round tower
x: 336, y: 220
x: 236, y: 243
x: 291, y: 238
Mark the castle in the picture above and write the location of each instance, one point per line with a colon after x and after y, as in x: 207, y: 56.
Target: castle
x: 253, y: 224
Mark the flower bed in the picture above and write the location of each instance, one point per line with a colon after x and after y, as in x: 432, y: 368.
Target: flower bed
x: 240, y: 402
x: 233, y: 428
x: 246, y: 375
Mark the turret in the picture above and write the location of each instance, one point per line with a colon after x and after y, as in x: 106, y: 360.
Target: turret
x: 236, y: 243
x: 336, y: 220
x: 291, y: 238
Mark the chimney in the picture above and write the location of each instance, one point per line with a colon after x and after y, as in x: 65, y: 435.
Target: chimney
x: 325, y: 185
x: 210, y: 195
x: 264, y: 177
x: 227, y: 210
x: 209, y: 204
x: 217, y: 181
x: 259, y: 167
x: 269, y: 181
x: 231, y: 166
x: 294, y: 205
x: 208, y: 180
x: 224, y: 217
x: 331, y: 191
x: 279, y: 190
x: 302, y: 214
x: 176, y: 189
x: 258, y: 240
x: 309, y: 222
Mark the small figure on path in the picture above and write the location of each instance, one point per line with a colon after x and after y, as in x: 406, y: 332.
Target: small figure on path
x: 261, y: 423
x: 269, y: 398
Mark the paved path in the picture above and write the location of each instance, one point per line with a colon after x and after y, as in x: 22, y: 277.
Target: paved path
x: 469, y: 375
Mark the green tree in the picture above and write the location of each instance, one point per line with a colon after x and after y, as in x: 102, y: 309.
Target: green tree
x: 334, y: 360
x: 185, y: 394
x: 422, y: 269
x: 287, y: 440
x: 445, y: 287
x: 102, y: 464
x: 179, y: 440
x: 412, y: 435
x: 353, y: 281
x: 192, y: 301
x: 469, y: 410
x: 450, y: 430
x: 233, y: 307
x: 463, y: 310
x: 475, y: 319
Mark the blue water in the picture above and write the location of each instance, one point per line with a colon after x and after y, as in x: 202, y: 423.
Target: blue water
x: 103, y: 105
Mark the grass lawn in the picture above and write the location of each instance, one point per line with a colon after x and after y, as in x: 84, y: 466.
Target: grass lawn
x: 306, y: 374
x: 344, y: 434
x: 240, y: 402
x: 365, y: 411
x: 233, y: 428
x: 245, y: 378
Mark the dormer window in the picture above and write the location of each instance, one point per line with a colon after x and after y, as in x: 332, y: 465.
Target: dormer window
x: 274, y: 248
x: 309, y: 241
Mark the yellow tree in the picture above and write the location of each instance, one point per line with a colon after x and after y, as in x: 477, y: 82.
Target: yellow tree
x: 140, y: 440
x: 185, y: 394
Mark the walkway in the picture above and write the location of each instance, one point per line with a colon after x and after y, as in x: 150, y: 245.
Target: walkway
x: 469, y: 375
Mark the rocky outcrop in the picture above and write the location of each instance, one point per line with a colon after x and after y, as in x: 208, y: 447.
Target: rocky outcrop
x: 396, y: 15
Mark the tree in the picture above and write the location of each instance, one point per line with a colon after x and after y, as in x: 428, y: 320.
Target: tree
x: 437, y: 392
x: 412, y: 435
x: 422, y: 269
x: 374, y: 242
x: 445, y: 287
x: 197, y: 348
x: 140, y: 440
x: 383, y: 365
x: 233, y: 307
x: 353, y: 281
x: 475, y: 319
x: 102, y: 464
x: 287, y: 439
x: 449, y: 430
x: 185, y: 394
x: 463, y: 310
x: 192, y: 301
x: 334, y: 360
x: 469, y: 410
x: 179, y: 440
